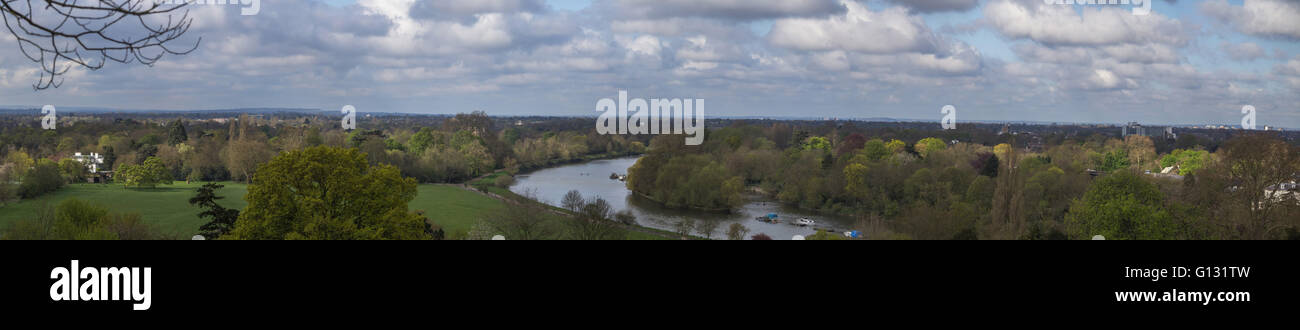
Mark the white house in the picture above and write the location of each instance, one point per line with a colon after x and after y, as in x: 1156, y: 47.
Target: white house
x: 91, y: 161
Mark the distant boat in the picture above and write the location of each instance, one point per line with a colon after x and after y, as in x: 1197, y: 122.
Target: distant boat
x: 804, y: 222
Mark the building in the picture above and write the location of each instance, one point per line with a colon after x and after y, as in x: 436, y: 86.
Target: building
x: 1283, y: 192
x: 91, y: 161
x: 1135, y: 128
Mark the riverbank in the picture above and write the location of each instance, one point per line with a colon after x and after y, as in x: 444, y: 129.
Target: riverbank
x: 551, y: 185
x: 488, y: 186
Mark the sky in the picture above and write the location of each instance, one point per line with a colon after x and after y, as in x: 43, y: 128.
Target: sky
x: 1186, y: 62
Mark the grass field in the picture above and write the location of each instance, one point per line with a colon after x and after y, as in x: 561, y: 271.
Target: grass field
x: 167, y: 207
x: 453, y: 208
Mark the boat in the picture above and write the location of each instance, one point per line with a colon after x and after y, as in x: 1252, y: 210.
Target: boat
x: 804, y: 222
x: 769, y: 218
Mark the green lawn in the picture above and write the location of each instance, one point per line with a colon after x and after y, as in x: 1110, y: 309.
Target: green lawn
x: 452, y: 208
x: 167, y: 206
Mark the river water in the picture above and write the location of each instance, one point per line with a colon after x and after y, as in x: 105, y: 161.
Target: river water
x: 592, y: 180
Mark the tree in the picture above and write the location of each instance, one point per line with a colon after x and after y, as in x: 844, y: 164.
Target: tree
x: 60, y: 34
x: 1001, y: 150
x: 594, y: 222
x: 524, y: 221
x: 895, y: 146
x: 194, y: 176
x: 1121, y: 206
x: 625, y: 217
x: 1253, y: 163
x: 852, y: 143
x: 706, y: 228
x: 761, y: 237
x: 328, y: 193
x: 929, y: 145
x: 1115, y: 160
x: 986, y: 163
x: 876, y: 150
x: 110, y: 158
x: 857, y: 181
x: 176, y: 133
x: 817, y: 143
x: 73, y: 170
x: 7, y: 191
x: 421, y: 141
x: 1141, y: 151
x: 573, y: 201
x: 223, y: 219
x: 241, y: 156
x: 737, y: 232
x: 21, y: 163
x: 45, y: 177
x: 146, y: 175
x: 684, y: 227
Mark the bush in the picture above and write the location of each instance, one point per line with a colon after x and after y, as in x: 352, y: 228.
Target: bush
x: 75, y: 219
x: 504, y: 181
x: 42, y: 179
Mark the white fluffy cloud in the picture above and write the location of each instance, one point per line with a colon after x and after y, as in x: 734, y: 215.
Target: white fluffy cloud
x: 938, y: 5
x: 1269, y: 18
x: 859, y: 29
x: 1063, y: 25
x: 724, y: 9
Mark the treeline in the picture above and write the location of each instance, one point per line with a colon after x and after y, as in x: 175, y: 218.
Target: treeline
x: 933, y: 188
x: 145, y: 152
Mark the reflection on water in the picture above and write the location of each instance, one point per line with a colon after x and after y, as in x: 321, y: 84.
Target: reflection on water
x: 592, y: 179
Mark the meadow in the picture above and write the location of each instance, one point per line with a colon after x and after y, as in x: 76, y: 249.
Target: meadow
x: 167, y: 207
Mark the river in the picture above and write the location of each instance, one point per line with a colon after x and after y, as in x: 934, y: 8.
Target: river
x: 592, y: 180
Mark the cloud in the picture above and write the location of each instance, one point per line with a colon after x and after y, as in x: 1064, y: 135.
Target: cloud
x: 459, y: 10
x: 1266, y: 18
x: 721, y: 9
x: 891, y: 30
x: 930, y: 6
x: 844, y: 58
x: 1063, y: 25
x: 1243, y: 52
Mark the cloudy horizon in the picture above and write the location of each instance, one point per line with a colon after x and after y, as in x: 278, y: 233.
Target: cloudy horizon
x: 1187, y: 62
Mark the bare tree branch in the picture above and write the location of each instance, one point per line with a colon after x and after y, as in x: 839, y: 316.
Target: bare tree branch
x: 60, y: 34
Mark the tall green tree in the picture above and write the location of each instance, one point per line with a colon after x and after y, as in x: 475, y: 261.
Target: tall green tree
x: 1122, y: 206
x: 223, y: 219
x: 328, y: 193
x: 176, y: 133
x: 148, y: 174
